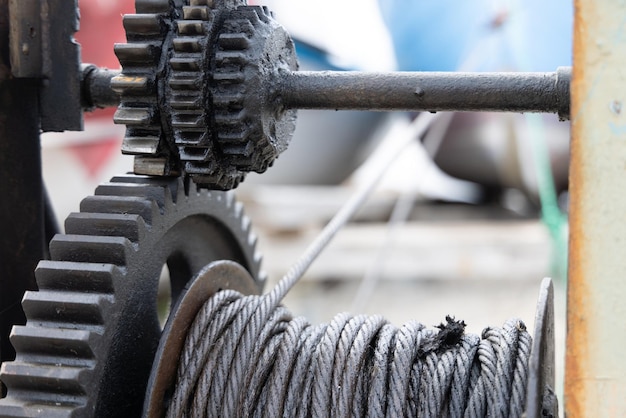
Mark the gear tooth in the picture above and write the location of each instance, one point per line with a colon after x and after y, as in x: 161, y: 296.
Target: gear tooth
x: 193, y: 139
x: 153, y: 188
x: 155, y: 193
x: 129, y: 116
x: 106, y: 224
x: 107, y: 250
x: 191, y: 27
x: 137, y: 54
x: 234, y: 100
x: 68, y: 310
x: 246, y: 224
x: 147, y: 24
x: 152, y: 6
x: 16, y: 408
x: 140, y: 145
x: 234, y: 138
x: 230, y: 119
x: 188, y: 101
x: 46, y: 378
x: 187, y: 63
x: 234, y: 41
x: 146, y: 181
x: 231, y: 58
x: 229, y: 77
x: 208, y: 3
x: 74, y: 346
x: 231, y: 202
x: 189, y: 120
x: 80, y: 277
x: 119, y: 204
x: 187, y: 44
x: 196, y: 13
x: 194, y: 154
x: 186, y: 82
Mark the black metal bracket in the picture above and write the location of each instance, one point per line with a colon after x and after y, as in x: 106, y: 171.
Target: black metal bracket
x: 42, y: 47
x: 40, y: 86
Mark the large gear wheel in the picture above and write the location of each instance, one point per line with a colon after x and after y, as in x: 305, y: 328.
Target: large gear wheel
x: 92, y: 328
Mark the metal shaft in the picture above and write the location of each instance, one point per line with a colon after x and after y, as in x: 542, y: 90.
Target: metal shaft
x: 411, y: 91
x: 428, y: 91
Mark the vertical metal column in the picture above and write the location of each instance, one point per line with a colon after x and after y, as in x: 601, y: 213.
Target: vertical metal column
x: 21, y: 197
x: 595, y: 376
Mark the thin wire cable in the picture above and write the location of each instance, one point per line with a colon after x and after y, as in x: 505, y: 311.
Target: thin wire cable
x: 417, y: 128
x: 400, y: 214
x: 246, y: 356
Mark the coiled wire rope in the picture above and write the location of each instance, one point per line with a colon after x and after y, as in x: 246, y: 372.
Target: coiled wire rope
x: 247, y: 356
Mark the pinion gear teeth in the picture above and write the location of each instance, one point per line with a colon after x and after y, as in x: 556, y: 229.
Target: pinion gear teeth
x: 203, y: 107
x: 141, y: 59
x: 189, y: 91
x: 250, y: 49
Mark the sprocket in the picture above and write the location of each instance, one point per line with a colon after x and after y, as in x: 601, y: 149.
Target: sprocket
x: 92, y: 328
x: 196, y: 89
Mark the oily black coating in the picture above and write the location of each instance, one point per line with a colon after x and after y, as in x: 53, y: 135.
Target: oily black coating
x: 92, y: 328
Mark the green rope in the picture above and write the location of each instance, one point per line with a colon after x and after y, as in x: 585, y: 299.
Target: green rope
x: 551, y: 215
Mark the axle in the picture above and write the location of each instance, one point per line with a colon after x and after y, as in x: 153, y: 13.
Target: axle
x: 410, y: 91
x: 429, y: 91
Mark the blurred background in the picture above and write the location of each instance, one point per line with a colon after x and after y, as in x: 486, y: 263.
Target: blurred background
x: 466, y: 223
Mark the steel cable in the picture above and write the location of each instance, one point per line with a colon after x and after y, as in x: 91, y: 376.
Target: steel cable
x: 246, y: 356
x: 353, y: 366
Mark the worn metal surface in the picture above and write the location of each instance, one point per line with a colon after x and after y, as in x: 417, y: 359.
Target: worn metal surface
x: 21, y: 205
x: 42, y: 47
x: 595, y: 375
x: 541, y: 396
x: 219, y: 275
x: 429, y: 91
x: 60, y: 92
x: 93, y: 330
x: 26, y: 38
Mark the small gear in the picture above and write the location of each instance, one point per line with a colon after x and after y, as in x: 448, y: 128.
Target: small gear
x: 143, y: 61
x: 196, y: 89
x: 251, y: 49
x: 188, y: 93
x: 92, y: 328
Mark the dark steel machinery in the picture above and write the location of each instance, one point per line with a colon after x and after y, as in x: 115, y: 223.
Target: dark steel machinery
x: 208, y: 92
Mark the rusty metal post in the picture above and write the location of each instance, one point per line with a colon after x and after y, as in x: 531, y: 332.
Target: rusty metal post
x: 595, y: 376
